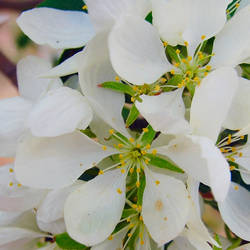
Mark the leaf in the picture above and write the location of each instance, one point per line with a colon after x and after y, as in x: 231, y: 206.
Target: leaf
x: 163, y: 163
x: 171, y: 54
x: 149, y: 17
x: 119, y: 87
x: 140, y: 190
x: 245, y: 70
x: 127, y: 212
x: 133, y: 115
x: 63, y: 4
x: 148, y: 136
x: 65, y: 242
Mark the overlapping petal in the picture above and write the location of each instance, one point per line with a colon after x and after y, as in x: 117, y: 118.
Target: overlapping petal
x: 93, y: 210
x: 57, y: 28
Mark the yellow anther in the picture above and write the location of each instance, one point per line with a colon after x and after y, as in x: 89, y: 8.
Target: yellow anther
x: 232, y: 159
x: 157, y: 182
x: 11, y: 184
x: 119, y: 191
x: 240, y: 154
x: 187, y: 79
x: 227, y: 11
x: 135, y: 88
x: 111, y: 131
x: 176, y: 65
x: 236, y: 187
x: 154, y: 151
x: 229, y: 140
x: 11, y: 170
x: 84, y: 7
x: 165, y: 44
x: 208, y: 67
x: 110, y: 237
x: 19, y: 184
x: 123, y: 163
x: 157, y: 88
x: 137, y: 184
x: 120, y: 145
x: 205, y: 73
x: 196, y: 79
x: 189, y: 58
x: 117, y: 78
x: 131, y: 170
x: 233, y: 149
x: 128, y: 220
x: 232, y: 168
x: 104, y: 148
x: 172, y: 71
x: 148, y: 146
x: 183, y: 60
x: 132, y: 99
x: 145, y: 130
x: 178, y: 51
x: 180, y: 85
x: 123, y: 171
x: 138, y: 170
x: 201, y: 57
x: 222, y: 150
x: 129, y: 234
x: 131, y: 139
x: 188, y: 73
x: 203, y: 37
x: 142, y: 242
x: 131, y: 225
x: 165, y: 218
x: 147, y: 161
x: 143, y: 152
x: 163, y: 80
x: 242, y: 137
x: 186, y: 43
x: 141, y: 218
x: 134, y: 206
x: 237, y: 5
x: 138, y: 145
x: 101, y: 172
x: 120, y: 156
x: 139, y: 208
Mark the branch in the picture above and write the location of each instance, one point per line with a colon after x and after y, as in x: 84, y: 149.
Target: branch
x: 19, y: 5
x: 8, y: 68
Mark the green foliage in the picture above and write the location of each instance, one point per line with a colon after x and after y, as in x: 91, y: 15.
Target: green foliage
x: 149, y: 18
x: 245, y: 70
x: 118, y: 87
x: 63, y: 4
x: 133, y: 115
x: 22, y: 41
x: 140, y: 190
x: 148, y: 136
x: 163, y: 163
x: 65, y: 242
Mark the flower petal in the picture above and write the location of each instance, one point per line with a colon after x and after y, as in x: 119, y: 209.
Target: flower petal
x: 235, y: 211
x: 30, y: 85
x: 181, y: 243
x: 231, y: 46
x: 201, y: 159
x: 61, y: 111
x: 58, y: 28
x: 218, y: 87
x: 104, y: 13
x: 165, y: 207
x: 136, y: 51
x: 190, y: 22
x: 165, y: 112
x: 93, y: 210
x: 98, y: 69
x: 56, y: 162
x: 13, y: 115
x: 238, y: 116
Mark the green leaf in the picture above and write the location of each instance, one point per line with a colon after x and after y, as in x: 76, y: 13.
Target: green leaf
x: 88, y: 132
x: 63, y: 4
x: 148, y: 136
x: 149, y: 18
x: 65, y: 242
x: 119, y: 87
x: 217, y: 239
x: 140, y: 190
x: 127, y: 212
x: 133, y: 115
x: 171, y: 53
x: 245, y: 70
x: 163, y: 163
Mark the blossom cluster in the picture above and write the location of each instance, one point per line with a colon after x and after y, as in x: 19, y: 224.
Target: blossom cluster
x: 113, y: 145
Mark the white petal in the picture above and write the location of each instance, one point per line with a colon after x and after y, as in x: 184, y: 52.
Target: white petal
x: 181, y: 243
x: 165, y: 112
x: 238, y: 116
x: 190, y: 22
x: 218, y: 87
x: 243, y: 247
x: 61, y: 111
x: 107, y: 104
x: 57, y: 28
x: 7, y: 218
x: 30, y: 85
x: 93, y: 210
x: 104, y: 13
x: 201, y: 159
x: 68, y: 67
x: 13, y: 115
x: 50, y: 213
x: 231, y: 46
x: 165, y: 207
x: 56, y: 162
x: 235, y: 211
x: 136, y: 51
x: 114, y: 244
x: 73, y: 83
